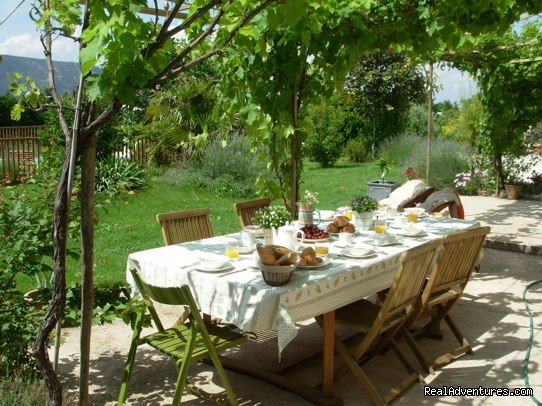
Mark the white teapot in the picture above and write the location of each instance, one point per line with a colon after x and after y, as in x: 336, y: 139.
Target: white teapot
x: 287, y: 237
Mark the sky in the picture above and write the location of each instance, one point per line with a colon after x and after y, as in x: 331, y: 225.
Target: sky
x: 18, y: 37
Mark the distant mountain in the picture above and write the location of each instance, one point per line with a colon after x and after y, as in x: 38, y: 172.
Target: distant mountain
x: 66, y: 73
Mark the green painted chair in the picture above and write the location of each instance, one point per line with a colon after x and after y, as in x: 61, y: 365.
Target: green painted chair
x: 185, y: 343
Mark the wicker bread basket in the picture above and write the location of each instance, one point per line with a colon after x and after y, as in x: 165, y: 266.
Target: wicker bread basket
x: 276, y: 275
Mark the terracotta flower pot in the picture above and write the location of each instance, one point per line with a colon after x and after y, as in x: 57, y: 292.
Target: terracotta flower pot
x: 512, y: 191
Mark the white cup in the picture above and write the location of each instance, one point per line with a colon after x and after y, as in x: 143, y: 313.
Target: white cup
x: 391, y: 212
x: 346, y: 238
x: 248, y: 238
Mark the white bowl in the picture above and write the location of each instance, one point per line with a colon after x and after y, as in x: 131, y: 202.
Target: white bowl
x: 359, y: 250
x: 213, y: 263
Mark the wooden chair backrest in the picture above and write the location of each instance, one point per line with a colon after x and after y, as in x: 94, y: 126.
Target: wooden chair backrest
x: 407, y: 284
x: 247, y: 210
x: 183, y: 226
x: 179, y: 295
x: 456, y: 261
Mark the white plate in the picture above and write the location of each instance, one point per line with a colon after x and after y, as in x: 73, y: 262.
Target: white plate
x: 203, y: 268
x: 348, y: 252
x: 411, y: 233
x: 325, y: 262
x: 314, y: 240
x: 397, y: 241
x: 245, y: 250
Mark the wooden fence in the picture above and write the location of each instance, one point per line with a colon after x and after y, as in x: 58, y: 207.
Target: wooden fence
x: 19, y: 151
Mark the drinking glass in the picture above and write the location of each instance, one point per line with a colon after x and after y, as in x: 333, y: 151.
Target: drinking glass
x: 232, y: 251
x: 380, y: 226
x: 321, y: 248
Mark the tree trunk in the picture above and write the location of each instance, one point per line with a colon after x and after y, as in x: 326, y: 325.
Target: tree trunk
x: 429, y: 123
x: 294, y: 175
x: 58, y: 302
x: 499, y: 171
x: 87, y: 249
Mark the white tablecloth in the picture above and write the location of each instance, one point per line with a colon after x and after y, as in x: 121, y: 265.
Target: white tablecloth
x: 241, y: 297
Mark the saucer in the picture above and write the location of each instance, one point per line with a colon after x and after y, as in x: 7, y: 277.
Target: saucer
x: 357, y: 252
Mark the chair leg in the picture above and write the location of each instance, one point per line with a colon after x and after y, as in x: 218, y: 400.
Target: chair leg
x: 426, y: 366
x: 223, y: 377
x: 413, y: 376
x: 458, y: 334
x: 127, y: 373
x: 130, y: 360
x: 356, y: 370
x: 182, y: 366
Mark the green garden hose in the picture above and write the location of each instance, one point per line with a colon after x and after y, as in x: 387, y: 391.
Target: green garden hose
x: 530, y: 343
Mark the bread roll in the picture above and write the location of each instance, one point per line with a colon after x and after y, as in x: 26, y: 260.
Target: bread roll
x: 279, y: 251
x: 287, y: 259
x: 349, y: 228
x: 340, y: 221
x: 332, y: 228
x: 308, y: 257
x: 267, y: 254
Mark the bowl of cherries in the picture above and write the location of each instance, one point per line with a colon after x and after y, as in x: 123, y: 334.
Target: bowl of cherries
x: 313, y: 233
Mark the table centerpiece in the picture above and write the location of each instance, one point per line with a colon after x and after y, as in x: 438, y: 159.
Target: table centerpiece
x: 306, y: 206
x: 364, y: 206
x: 270, y: 219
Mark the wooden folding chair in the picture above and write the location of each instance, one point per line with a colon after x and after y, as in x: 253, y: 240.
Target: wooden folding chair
x: 443, y: 288
x: 379, y: 324
x: 247, y: 210
x: 183, y: 226
x: 185, y: 343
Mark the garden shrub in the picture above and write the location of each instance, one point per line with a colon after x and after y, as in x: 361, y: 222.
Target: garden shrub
x: 27, y: 248
x: 448, y: 158
x: 398, y: 149
x: 223, y: 168
x: 324, y: 124
x: 356, y: 151
x: 480, y: 178
x: 23, y: 391
x: 114, y: 175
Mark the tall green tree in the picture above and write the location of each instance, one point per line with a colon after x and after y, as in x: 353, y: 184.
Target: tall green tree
x: 133, y: 53
x: 508, y: 70
x: 463, y: 124
x: 381, y: 89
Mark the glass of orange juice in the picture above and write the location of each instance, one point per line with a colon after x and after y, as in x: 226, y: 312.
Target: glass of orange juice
x: 321, y: 248
x: 380, y: 226
x: 232, y: 251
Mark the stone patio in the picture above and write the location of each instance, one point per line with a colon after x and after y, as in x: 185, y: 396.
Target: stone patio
x: 491, y: 314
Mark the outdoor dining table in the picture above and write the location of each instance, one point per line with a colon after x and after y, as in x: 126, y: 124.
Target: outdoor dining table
x: 240, y: 296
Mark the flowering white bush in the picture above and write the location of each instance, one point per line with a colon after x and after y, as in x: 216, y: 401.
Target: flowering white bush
x: 522, y: 169
x: 272, y: 217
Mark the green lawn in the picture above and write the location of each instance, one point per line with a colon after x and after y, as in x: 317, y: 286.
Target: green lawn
x: 128, y: 224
